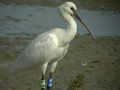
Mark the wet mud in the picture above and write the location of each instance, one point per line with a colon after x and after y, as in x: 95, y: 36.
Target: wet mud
x: 98, y: 63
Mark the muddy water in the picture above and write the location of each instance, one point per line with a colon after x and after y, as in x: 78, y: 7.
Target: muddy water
x: 38, y: 19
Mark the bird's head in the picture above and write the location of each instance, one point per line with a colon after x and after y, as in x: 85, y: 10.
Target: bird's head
x: 69, y: 9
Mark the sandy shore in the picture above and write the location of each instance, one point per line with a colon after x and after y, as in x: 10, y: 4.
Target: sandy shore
x: 99, y: 62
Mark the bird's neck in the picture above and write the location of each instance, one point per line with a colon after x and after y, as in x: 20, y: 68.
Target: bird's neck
x: 71, y: 24
x: 71, y: 28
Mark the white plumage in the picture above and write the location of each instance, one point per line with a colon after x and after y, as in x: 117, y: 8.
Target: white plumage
x: 43, y: 49
x: 50, y: 46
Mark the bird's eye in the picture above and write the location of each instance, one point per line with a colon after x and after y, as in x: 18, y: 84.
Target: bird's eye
x: 72, y: 8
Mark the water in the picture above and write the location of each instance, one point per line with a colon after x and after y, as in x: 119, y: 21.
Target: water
x: 38, y: 19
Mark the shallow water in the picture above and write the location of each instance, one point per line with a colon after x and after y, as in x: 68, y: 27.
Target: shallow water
x: 38, y: 19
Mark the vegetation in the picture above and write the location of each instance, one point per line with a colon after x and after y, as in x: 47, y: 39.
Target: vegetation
x: 77, y: 83
x: 113, y: 5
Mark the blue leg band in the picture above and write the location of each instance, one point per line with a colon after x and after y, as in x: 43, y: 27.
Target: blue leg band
x: 50, y: 82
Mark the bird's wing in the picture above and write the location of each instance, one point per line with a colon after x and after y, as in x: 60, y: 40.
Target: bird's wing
x: 42, y: 46
x: 37, y: 51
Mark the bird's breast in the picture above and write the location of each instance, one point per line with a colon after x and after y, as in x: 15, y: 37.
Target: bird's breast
x: 59, y: 53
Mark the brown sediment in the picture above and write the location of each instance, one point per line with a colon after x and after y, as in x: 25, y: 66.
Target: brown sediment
x: 98, y: 62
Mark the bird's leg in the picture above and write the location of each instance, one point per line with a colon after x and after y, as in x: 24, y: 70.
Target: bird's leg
x: 44, y: 66
x: 49, y: 84
x: 50, y: 80
x: 43, y: 82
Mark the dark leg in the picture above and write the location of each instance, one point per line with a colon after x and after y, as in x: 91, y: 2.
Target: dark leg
x: 43, y: 83
x: 49, y: 85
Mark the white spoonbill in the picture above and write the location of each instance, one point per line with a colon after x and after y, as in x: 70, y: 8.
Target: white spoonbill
x: 51, y: 46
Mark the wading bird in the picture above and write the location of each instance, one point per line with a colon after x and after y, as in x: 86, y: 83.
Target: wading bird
x: 51, y: 46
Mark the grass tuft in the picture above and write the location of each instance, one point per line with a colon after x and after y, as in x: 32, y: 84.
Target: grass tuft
x: 77, y: 83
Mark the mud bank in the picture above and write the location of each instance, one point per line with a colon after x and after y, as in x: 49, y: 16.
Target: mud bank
x: 99, y: 62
